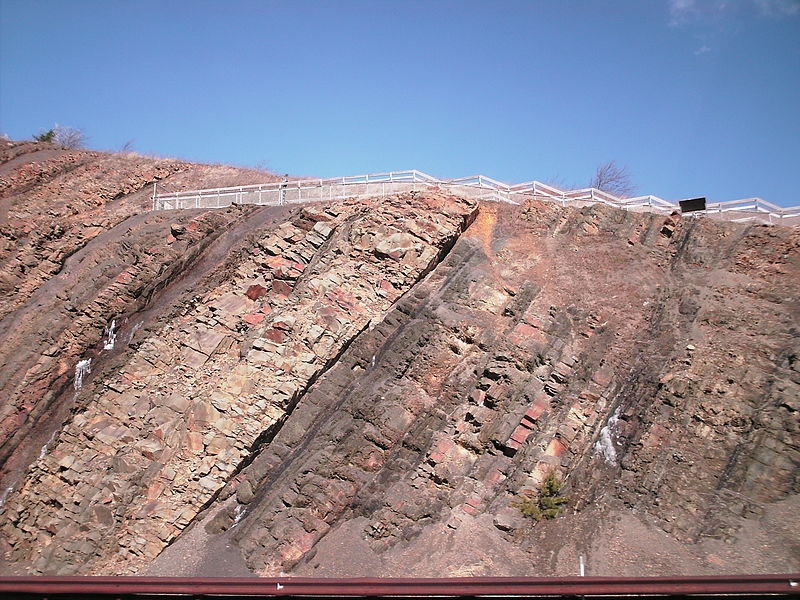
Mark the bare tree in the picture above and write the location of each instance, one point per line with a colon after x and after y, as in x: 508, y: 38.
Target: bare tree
x: 68, y: 137
x: 613, y: 179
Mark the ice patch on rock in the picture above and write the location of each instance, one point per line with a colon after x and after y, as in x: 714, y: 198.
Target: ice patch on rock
x: 46, y: 448
x: 110, y: 333
x: 605, y: 443
x: 4, y: 495
x: 238, y: 514
x: 82, y: 369
x: 136, y: 327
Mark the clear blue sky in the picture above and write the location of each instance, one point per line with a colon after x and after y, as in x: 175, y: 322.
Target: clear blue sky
x: 695, y: 97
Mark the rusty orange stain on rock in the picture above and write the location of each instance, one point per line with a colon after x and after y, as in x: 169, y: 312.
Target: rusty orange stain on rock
x: 253, y: 319
x: 483, y: 228
x: 555, y: 448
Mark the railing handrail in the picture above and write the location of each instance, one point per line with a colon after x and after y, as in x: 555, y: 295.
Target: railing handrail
x: 502, y: 191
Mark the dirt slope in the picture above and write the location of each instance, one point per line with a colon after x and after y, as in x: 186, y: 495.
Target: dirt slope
x: 387, y: 379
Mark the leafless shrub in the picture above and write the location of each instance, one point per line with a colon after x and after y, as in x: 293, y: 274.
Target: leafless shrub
x: 613, y: 179
x: 68, y: 137
x: 127, y: 151
x: 262, y: 165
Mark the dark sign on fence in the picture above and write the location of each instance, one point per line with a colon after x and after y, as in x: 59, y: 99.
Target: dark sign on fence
x: 692, y: 204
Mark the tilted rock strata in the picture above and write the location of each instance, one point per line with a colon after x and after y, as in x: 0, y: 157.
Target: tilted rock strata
x: 54, y: 207
x: 548, y: 339
x: 115, y: 276
x: 303, y: 371
x: 77, y: 256
x: 164, y: 432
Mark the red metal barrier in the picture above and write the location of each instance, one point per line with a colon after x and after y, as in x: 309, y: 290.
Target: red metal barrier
x: 126, y: 587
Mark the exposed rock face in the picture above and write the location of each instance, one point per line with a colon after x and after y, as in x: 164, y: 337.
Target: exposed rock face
x: 391, y: 372
x: 643, y: 365
x: 77, y: 253
x: 167, y: 427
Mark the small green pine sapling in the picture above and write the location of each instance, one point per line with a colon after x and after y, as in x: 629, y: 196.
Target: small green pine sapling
x: 46, y: 136
x: 547, y: 504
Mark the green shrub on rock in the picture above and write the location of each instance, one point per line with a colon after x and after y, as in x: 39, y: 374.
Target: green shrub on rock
x: 45, y: 136
x: 547, y: 504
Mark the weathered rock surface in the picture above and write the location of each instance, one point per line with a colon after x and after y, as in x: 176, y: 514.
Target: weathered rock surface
x: 645, y: 367
x: 170, y: 421
x: 363, y: 375
x: 78, y: 258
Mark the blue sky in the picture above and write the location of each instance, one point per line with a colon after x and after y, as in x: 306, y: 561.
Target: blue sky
x: 694, y: 97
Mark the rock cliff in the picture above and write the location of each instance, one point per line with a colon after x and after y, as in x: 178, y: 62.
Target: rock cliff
x: 387, y: 377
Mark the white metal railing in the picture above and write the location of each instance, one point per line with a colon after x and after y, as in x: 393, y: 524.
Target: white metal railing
x: 478, y: 187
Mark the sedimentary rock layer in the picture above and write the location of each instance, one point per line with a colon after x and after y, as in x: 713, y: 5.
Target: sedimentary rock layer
x: 164, y: 430
x: 376, y: 375
x: 651, y: 361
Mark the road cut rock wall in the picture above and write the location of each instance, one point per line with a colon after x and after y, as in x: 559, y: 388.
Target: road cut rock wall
x: 630, y: 353
x: 172, y: 422
x: 389, y: 376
